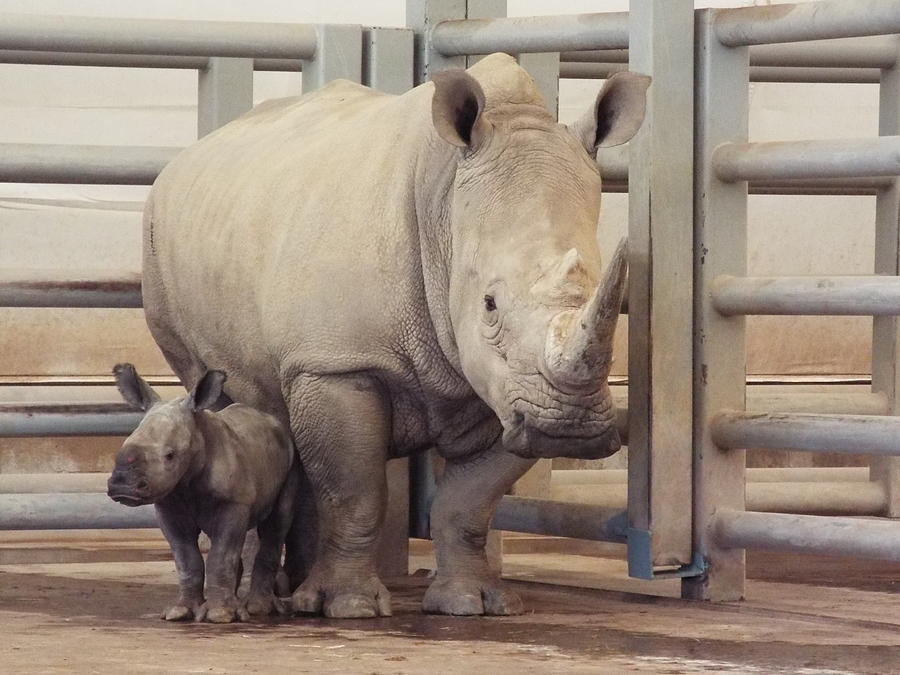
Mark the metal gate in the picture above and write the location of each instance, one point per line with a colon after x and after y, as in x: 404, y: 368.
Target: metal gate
x: 686, y: 416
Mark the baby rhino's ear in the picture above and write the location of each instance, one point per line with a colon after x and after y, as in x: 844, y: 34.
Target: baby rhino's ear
x: 133, y: 387
x: 207, y: 391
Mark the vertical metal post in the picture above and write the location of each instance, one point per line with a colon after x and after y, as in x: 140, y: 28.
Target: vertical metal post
x: 660, y: 305
x: 544, y: 68
x: 338, y: 55
x: 387, y: 58
x: 720, y: 247
x: 885, y: 336
x: 225, y: 92
x: 422, y: 16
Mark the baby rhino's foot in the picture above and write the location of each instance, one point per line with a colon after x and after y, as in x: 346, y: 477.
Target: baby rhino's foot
x: 261, y: 604
x: 181, y: 612
x: 222, y: 613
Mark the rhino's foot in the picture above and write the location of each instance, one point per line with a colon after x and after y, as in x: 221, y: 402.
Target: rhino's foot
x: 261, y: 604
x: 181, y: 612
x: 338, y: 600
x: 471, y: 596
x: 222, y: 613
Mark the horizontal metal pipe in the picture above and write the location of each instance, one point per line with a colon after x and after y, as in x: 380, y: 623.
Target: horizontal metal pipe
x: 76, y: 288
x: 598, y: 71
x: 867, y: 185
x: 821, y: 20
x: 67, y: 419
x: 864, y: 498
x: 34, y: 32
x: 879, y: 51
x: 57, y: 483
x: 595, y: 56
x: 878, y: 156
x: 824, y: 535
x: 532, y: 34
x: 838, y: 497
x: 851, y: 434
x: 872, y: 52
x: 98, y: 164
x: 801, y: 474
x: 71, y: 512
x: 559, y: 519
x: 132, y: 60
x: 807, y: 295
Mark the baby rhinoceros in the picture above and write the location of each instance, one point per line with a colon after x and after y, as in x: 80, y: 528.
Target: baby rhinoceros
x: 221, y: 473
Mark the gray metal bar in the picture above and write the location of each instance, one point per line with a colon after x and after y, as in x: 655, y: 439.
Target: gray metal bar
x: 71, y: 512
x: 802, y: 474
x: 560, y: 519
x: 132, y: 60
x: 100, y: 164
x: 589, y: 71
x: 338, y: 55
x: 885, y: 333
x: 859, y: 52
x: 856, y: 537
x: 809, y: 295
x: 851, y: 434
x: 387, y: 55
x: 720, y: 247
x: 822, y: 20
x: 155, y: 36
x: 865, y: 498
x: 867, y: 185
x: 808, y: 159
x: 71, y: 288
x: 67, y: 419
x: 57, y: 483
x: 224, y: 92
x: 533, y: 34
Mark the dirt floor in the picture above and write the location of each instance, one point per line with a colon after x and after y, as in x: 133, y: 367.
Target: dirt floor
x: 99, y: 614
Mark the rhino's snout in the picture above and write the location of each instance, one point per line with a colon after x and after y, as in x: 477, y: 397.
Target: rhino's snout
x: 126, y: 486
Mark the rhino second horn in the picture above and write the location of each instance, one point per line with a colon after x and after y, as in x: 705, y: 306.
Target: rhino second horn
x: 578, y: 351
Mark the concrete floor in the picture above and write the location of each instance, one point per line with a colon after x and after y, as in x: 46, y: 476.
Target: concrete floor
x: 99, y: 614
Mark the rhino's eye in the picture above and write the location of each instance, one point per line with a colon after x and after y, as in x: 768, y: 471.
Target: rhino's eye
x: 170, y: 455
x: 489, y: 303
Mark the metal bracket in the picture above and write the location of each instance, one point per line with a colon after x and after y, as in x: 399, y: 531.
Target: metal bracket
x: 640, y: 561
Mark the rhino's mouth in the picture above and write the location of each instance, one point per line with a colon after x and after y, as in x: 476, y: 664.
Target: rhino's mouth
x: 128, y: 498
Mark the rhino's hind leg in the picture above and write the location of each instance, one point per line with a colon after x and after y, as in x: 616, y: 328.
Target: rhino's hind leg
x: 460, y: 518
x: 341, y: 429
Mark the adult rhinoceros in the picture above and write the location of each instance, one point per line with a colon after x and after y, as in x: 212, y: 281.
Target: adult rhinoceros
x: 390, y: 273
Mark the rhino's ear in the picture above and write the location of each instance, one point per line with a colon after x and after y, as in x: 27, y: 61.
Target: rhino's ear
x: 133, y: 387
x: 207, y: 391
x: 456, y: 109
x: 617, y: 113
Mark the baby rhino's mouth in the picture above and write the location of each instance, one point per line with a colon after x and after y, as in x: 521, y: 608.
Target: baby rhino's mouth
x: 127, y: 498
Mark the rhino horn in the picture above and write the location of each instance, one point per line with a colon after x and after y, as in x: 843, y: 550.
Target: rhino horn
x: 578, y: 351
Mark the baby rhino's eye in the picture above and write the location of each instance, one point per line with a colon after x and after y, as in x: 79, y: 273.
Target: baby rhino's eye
x: 489, y: 304
x: 170, y: 455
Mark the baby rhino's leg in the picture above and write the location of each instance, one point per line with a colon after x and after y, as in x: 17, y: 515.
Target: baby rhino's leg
x: 182, y: 538
x: 262, y: 600
x: 222, y: 566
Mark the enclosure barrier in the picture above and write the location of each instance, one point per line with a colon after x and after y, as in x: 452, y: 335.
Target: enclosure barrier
x: 725, y: 421
x: 657, y: 420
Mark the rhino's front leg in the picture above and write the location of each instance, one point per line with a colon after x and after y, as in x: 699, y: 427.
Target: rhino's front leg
x: 341, y: 429
x: 223, y: 566
x: 182, y: 537
x: 468, y: 493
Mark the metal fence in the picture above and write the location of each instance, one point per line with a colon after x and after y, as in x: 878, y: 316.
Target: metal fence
x: 686, y: 506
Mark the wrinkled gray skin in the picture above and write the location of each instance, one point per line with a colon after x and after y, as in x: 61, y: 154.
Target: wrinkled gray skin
x: 390, y: 273
x: 216, y: 472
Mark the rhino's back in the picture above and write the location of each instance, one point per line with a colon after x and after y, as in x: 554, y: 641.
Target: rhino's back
x: 284, y: 239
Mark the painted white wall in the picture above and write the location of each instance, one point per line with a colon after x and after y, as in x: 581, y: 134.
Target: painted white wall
x: 57, y: 226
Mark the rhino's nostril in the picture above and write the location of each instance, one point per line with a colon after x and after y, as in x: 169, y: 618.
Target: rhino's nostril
x: 142, y: 485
